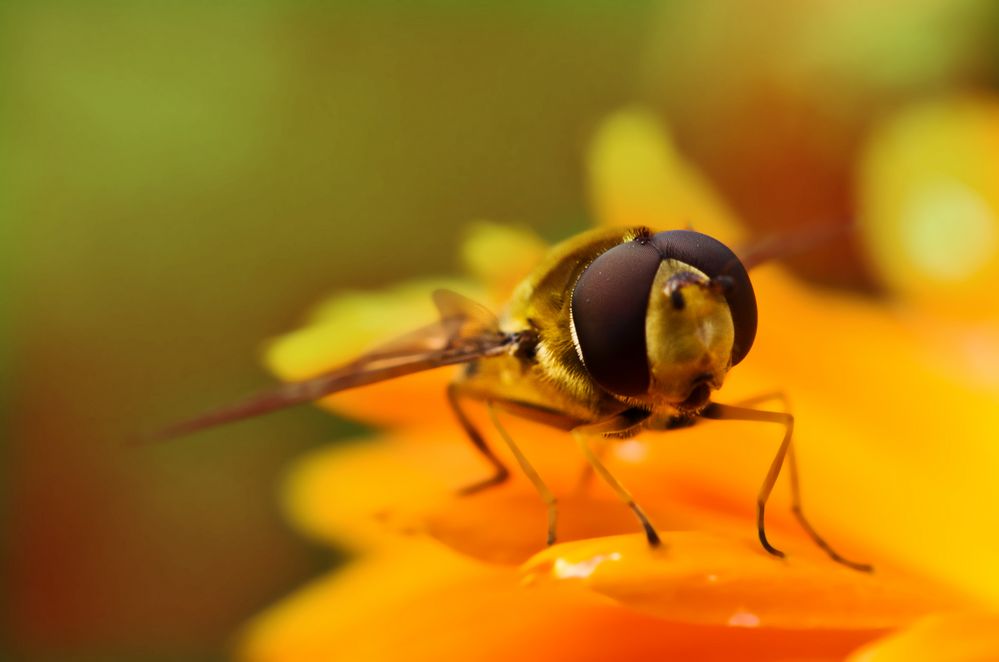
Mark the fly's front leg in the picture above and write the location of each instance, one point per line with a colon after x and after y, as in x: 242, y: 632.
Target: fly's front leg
x: 792, y: 466
x: 784, y: 452
x: 585, y: 434
x: 500, y: 473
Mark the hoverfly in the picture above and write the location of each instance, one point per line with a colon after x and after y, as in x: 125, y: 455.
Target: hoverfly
x: 616, y: 331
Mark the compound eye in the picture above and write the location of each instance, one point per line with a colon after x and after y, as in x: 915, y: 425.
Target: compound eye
x: 717, y: 261
x: 609, y: 305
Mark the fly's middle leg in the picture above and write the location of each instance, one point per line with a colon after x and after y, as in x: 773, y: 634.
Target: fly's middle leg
x: 500, y: 472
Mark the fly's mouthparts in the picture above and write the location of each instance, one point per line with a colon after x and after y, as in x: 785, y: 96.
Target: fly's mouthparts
x: 699, y: 395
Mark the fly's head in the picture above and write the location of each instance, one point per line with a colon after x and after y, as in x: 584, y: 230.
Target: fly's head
x: 658, y: 321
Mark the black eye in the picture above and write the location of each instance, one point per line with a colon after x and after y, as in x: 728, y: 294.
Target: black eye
x: 717, y: 261
x: 609, y: 306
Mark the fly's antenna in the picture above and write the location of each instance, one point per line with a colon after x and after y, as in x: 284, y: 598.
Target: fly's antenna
x: 678, y: 280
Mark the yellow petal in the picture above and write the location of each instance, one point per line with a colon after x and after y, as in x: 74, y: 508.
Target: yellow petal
x: 501, y: 255
x: 702, y: 578
x: 637, y: 177
x: 958, y: 637
x: 350, y: 323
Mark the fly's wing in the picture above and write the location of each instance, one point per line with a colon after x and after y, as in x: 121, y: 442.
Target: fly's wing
x: 461, y: 320
x: 465, y: 332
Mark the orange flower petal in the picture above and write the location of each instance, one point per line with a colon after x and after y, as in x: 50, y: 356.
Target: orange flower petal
x: 358, y: 493
x: 702, y: 578
x: 411, y: 400
x: 312, y: 624
x: 365, y: 493
x: 958, y: 637
x: 896, y: 420
x: 425, y: 603
x: 509, y: 525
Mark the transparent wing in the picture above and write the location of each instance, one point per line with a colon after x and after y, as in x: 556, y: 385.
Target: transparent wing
x: 465, y: 332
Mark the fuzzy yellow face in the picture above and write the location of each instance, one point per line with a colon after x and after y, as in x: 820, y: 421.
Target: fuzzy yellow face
x: 689, y: 334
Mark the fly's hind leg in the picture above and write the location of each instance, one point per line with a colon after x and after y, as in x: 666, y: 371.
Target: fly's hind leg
x: 602, y: 444
x: 784, y: 452
x: 585, y: 434
x: 500, y: 472
x: 586, y: 474
x: 546, y: 494
x: 525, y: 410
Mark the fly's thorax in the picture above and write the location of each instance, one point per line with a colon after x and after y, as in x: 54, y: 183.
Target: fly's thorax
x: 541, y: 303
x: 689, y: 336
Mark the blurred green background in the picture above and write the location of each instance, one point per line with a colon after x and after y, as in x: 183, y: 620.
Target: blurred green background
x: 180, y: 181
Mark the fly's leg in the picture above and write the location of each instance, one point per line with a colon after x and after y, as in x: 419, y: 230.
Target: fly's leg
x: 796, y: 508
x: 806, y: 525
x: 784, y: 452
x: 500, y: 473
x: 585, y: 479
x: 531, y: 473
x: 584, y: 434
x: 601, y: 445
x: 733, y: 413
